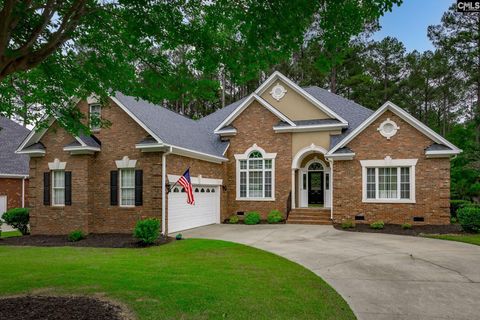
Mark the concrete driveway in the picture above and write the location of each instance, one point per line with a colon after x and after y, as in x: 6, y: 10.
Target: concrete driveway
x: 380, y: 276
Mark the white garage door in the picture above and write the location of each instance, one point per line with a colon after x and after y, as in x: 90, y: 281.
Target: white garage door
x: 182, y: 216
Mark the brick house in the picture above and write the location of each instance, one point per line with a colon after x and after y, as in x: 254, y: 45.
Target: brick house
x: 304, y: 151
x: 13, y: 167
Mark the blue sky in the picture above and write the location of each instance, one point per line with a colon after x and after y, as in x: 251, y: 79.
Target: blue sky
x: 409, y: 22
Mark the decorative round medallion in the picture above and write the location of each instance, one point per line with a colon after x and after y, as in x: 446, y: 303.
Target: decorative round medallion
x: 388, y: 128
x: 278, y: 92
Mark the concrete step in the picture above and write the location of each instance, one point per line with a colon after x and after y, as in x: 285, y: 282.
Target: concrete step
x: 316, y: 222
x: 308, y: 217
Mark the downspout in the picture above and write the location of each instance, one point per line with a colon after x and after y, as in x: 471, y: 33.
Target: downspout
x: 164, y: 193
x: 331, y: 188
x: 23, y: 191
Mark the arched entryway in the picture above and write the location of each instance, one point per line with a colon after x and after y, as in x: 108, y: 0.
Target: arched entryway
x: 311, y: 175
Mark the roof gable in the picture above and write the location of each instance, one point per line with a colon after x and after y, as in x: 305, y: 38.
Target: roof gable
x: 299, y: 93
x: 245, y: 104
x: 406, y: 117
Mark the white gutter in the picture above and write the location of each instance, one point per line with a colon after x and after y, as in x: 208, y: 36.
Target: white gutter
x: 310, y: 128
x: 164, y: 194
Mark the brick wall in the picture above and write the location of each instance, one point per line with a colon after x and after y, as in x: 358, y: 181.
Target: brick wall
x: 432, y: 177
x: 12, y: 188
x: 254, y: 126
x: 91, y: 210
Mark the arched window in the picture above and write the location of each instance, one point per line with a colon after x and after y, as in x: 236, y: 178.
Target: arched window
x: 255, y: 174
x: 196, y: 189
x: 315, y: 166
x: 175, y: 189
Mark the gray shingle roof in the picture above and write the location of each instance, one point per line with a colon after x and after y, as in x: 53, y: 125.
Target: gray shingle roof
x: 90, y: 141
x: 437, y: 147
x: 310, y: 122
x: 343, y: 150
x: 11, y: 136
x: 173, y: 128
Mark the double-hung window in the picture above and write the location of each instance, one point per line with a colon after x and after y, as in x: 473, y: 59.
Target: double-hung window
x: 255, y: 176
x: 389, y: 180
x: 58, y: 187
x: 127, y: 187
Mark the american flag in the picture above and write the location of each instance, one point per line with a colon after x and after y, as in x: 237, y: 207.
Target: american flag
x: 186, y: 183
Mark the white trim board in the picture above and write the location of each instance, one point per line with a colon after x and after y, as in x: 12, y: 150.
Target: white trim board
x: 247, y: 103
x: 278, y: 75
x: 310, y: 128
x: 201, y: 181
x: 406, y: 117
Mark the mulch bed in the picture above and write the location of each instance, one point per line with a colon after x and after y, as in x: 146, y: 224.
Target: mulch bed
x: 60, y: 308
x: 415, y: 231
x: 92, y: 240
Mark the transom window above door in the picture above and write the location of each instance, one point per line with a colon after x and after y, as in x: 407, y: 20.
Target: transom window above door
x: 255, y: 174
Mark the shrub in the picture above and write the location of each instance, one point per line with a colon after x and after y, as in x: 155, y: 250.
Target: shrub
x: 406, y: 226
x: 76, y: 235
x: 147, y: 230
x: 348, y: 224
x: 233, y: 219
x: 377, y: 225
x: 275, y: 216
x: 252, y: 217
x: 457, y: 204
x: 179, y: 236
x: 18, y: 218
x: 469, y: 218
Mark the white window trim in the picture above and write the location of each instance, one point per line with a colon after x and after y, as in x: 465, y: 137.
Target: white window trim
x: 54, y: 188
x: 120, y: 188
x: 388, y: 162
x: 90, y: 115
x: 126, y: 163
x: 265, y: 156
x: 382, y: 131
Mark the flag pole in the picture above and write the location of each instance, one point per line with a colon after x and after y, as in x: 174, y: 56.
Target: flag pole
x: 170, y: 189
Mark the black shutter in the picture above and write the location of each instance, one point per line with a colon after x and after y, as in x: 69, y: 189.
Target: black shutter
x: 46, y: 188
x: 138, y: 187
x: 113, y: 188
x: 68, y: 188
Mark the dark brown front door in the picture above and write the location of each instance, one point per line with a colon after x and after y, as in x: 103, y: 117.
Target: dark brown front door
x: 315, y: 187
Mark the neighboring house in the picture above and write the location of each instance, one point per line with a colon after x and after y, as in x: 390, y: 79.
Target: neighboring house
x: 13, y: 167
x: 304, y: 151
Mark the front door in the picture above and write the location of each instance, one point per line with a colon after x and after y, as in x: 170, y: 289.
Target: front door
x: 315, y: 187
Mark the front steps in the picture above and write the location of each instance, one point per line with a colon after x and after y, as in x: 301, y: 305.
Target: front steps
x: 319, y: 216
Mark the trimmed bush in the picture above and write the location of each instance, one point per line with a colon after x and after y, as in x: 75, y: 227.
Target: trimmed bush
x: 457, y: 204
x: 76, y: 235
x: 179, y: 236
x: 252, y: 217
x: 377, y: 225
x: 147, y: 230
x: 469, y: 218
x: 275, y: 216
x: 406, y: 226
x: 17, y: 218
x: 233, y: 219
x: 348, y: 224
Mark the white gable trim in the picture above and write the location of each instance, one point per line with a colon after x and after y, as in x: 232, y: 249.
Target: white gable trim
x: 278, y: 75
x: 134, y: 117
x: 405, y: 116
x: 34, y: 136
x: 244, y: 105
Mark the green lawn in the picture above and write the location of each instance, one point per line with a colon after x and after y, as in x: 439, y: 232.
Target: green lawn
x: 190, y: 279
x: 471, y: 238
x: 8, y: 234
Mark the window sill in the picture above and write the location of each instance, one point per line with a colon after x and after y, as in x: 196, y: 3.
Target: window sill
x: 255, y: 199
x: 127, y: 207
x: 388, y: 201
